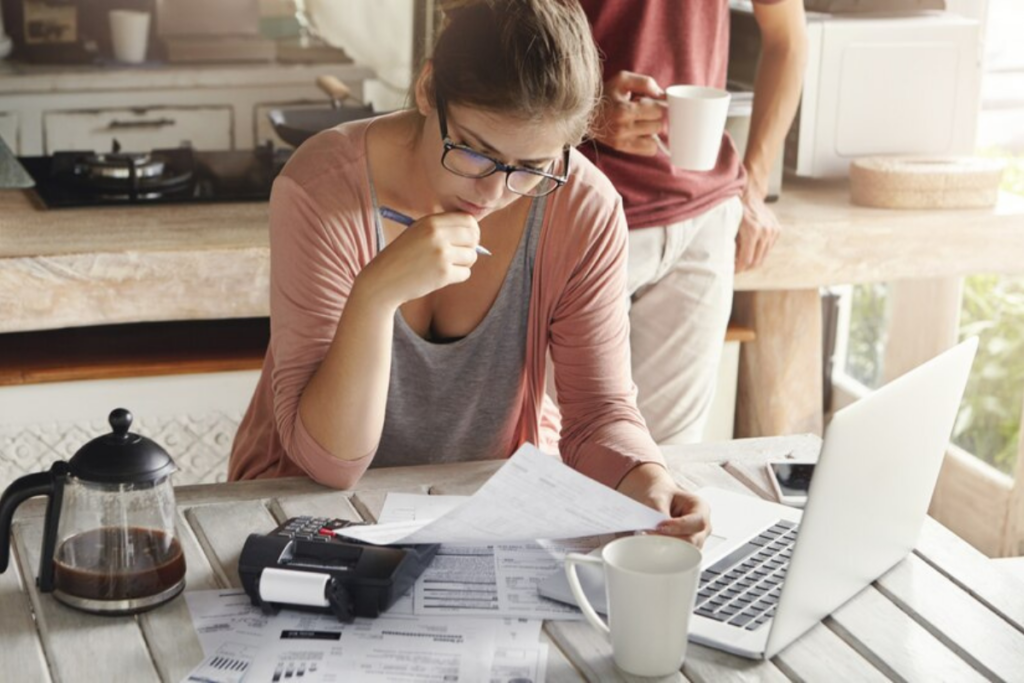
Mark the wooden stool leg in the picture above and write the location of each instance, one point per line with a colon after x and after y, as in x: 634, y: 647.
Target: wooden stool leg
x: 779, y: 389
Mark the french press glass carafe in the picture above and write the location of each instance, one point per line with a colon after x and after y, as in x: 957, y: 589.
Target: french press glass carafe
x: 109, y: 542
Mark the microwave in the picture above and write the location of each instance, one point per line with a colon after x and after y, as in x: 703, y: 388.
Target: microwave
x: 875, y: 84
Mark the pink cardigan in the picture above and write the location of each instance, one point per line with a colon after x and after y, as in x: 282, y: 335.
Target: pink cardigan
x: 322, y: 234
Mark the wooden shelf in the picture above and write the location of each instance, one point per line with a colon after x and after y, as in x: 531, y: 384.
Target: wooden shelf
x: 739, y: 333
x: 135, y: 350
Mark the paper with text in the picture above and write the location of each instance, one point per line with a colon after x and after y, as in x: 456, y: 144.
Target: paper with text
x: 317, y: 648
x: 483, y: 580
x: 533, y: 496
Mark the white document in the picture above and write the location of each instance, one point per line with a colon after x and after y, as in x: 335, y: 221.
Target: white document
x: 515, y: 664
x: 228, y: 664
x: 316, y: 647
x: 484, y: 580
x: 532, y: 496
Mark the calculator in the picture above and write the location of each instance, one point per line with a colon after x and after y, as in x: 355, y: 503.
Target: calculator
x: 359, y: 579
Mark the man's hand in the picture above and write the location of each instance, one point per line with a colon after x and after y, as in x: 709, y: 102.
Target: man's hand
x: 652, y: 485
x: 758, y: 231
x: 631, y: 113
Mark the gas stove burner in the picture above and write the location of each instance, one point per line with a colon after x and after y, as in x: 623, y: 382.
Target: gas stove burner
x: 161, y: 176
x: 118, y: 174
x: 119, y: 166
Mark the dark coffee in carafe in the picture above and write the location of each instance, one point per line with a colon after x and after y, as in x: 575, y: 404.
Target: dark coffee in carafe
x: 118, y: 563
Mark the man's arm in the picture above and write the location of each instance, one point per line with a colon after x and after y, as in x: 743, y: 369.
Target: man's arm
x: 776, y: 95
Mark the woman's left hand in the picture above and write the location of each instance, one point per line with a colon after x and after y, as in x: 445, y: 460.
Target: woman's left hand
x: 652, y: 485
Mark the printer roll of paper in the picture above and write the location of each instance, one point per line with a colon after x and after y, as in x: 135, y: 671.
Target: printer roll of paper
x: 294, y: 588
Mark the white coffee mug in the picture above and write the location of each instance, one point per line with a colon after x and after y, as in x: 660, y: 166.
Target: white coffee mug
x: 129, y: 32
x: 696, y: 122
x: 650, y: 584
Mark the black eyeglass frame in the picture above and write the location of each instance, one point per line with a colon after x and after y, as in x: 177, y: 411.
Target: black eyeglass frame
x: 499, y: 166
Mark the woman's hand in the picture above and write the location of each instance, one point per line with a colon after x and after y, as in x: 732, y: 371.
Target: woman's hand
x: 652, y: 485
x: 434, y: 252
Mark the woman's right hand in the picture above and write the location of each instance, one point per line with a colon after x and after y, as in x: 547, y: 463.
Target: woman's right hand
x: 436, y: 251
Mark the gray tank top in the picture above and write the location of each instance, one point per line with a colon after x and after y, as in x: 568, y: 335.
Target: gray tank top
x: 460, y: 400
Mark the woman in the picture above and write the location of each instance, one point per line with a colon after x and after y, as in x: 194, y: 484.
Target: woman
x: 394, y: 344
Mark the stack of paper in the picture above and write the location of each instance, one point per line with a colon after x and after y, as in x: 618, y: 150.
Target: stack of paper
x: 473, y: 615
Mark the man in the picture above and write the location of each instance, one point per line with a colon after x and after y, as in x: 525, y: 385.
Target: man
x: 689, y: 231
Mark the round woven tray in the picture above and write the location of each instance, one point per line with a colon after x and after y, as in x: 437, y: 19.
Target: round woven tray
x: 925, y: 182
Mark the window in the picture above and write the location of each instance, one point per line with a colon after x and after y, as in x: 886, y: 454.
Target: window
x: 992, y: 306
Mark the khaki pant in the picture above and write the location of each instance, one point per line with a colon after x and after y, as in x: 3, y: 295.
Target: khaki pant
x: 680, y: 284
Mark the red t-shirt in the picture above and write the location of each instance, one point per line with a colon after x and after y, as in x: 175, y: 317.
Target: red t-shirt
x: 674, y: 41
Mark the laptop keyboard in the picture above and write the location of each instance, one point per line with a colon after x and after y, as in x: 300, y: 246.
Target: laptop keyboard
x: 743, y: 587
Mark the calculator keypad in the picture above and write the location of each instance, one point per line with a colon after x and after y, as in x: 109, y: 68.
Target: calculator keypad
x: 312, y: 528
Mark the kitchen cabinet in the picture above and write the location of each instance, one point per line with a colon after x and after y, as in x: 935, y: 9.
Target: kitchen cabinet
x: 212, y: 106
x: 9, y: 130
x: 138, y: 130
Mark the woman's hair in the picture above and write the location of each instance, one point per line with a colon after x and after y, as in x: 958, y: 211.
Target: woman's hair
x: 531, y: 59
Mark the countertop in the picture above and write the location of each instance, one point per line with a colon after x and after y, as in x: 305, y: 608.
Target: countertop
x: 18, y: 78
x: 71, y: 267
x: 944, y: 612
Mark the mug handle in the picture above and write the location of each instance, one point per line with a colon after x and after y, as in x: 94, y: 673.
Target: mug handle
x: 661, y: 145
x: 571, y: 560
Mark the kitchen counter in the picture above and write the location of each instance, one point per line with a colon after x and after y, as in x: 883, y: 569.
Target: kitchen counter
x: 825, y: 241
x: 76, y: 267
x: 20, y: 78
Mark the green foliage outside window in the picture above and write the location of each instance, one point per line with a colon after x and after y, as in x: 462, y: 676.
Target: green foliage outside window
x: 866, y: 343
x: 993, y: 309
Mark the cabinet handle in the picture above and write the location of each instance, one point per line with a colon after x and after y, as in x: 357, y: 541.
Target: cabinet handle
x: 151, y: 123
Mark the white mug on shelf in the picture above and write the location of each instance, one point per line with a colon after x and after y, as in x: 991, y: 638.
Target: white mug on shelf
x: 696, y: 121
x: 129, y: 33
x: 5, y: 41
x: 651, y: 583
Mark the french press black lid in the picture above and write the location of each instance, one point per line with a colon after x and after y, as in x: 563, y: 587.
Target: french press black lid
x: 121, y: 457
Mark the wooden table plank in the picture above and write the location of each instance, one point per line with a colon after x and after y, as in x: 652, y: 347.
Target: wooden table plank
x: 821, y: 656
x: 560, y: 669
x: 982, y: 638
x: 168, y: 630
x: 105, y: 648
x: 591, y: 653
x: 708, y: 665
x: 800, y: 446
x: 895, y: 643
x: 698, y: 475
x: 370, y: 503
x: 23, y: 658
x: 222, y: 529
x: 1001, y: 591
x: 335, y: 504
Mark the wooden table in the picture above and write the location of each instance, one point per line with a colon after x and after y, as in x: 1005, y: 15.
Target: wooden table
x: 944, y: 613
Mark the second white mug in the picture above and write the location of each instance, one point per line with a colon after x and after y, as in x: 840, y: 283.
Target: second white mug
x: 129, y: 33
x: 696, y: 122
x: 651, y: 583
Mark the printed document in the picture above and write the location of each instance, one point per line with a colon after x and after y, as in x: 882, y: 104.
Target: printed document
x: 532, y: 496
x: 317, y: 648
x: 496, y: 580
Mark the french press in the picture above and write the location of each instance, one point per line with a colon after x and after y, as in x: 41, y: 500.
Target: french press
x: 109, y: 543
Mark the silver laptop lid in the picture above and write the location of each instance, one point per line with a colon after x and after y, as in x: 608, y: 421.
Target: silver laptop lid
x: 871, y: 490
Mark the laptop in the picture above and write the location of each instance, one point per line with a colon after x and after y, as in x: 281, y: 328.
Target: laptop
x: 772, y: 572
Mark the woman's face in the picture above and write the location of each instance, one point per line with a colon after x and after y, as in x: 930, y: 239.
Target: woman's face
x: 511, y: 140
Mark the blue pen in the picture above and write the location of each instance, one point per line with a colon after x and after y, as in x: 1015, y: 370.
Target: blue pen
x: 400, y: 217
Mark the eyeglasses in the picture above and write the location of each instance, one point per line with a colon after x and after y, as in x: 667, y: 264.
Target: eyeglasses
x: 469, y: 163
